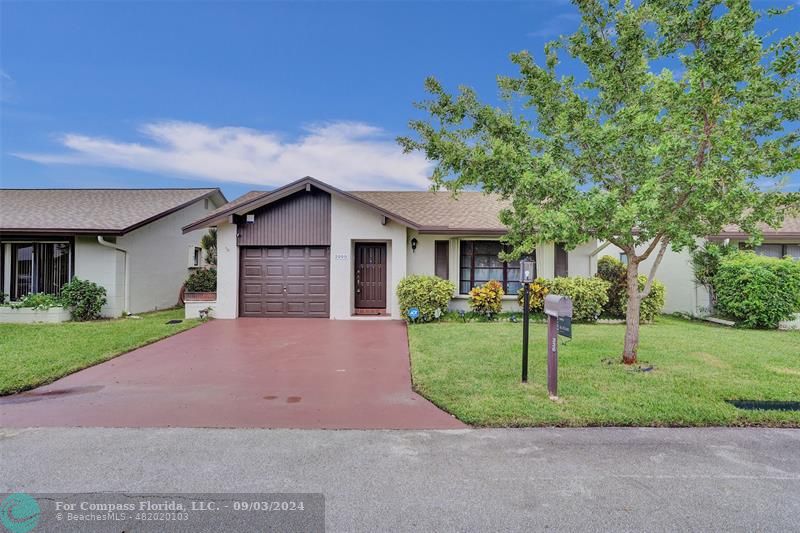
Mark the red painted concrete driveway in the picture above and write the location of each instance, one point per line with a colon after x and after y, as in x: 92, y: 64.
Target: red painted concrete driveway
x: 250, y: 372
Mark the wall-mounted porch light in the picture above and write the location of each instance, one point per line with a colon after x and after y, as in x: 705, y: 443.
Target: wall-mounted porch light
x: 414, y: 244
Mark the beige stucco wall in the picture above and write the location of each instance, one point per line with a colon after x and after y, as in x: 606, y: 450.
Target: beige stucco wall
x: 350, y: 223
x: 227, y: 305
x: 675, y: 272
x: 159, y: 258
x: 105, y: 267
x: 158, y: 262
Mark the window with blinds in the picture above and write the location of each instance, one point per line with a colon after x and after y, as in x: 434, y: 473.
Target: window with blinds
x: 39, y: 267
x: 480, y: 262
x: 779, y: 250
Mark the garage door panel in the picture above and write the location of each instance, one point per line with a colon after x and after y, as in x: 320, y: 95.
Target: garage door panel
x: 318, y: 271
x: 252, y: 307
x: 273, y: 289
x: 252, y: 252
x: 295, y: 289
x: 252, y: 288
x: 297, y: 271
x: 274, y: 270
x: 285, y: 281
x: 254, y: 271
x: 318, y: 289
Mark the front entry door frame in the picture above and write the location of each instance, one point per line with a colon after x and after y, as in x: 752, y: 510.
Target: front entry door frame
x: 370, y: 265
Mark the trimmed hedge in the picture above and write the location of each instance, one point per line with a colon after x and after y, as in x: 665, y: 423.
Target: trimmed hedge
x: 203, y: 280
x: 426, y: 293
x: 756, y: 291
x: 588, y: 295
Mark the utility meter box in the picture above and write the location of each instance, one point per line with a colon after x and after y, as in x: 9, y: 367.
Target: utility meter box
x: 527, y: 271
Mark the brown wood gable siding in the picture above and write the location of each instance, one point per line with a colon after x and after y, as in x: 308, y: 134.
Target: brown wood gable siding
x: 302, y: 219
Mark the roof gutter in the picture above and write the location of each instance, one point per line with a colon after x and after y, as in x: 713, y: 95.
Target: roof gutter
x: 102, y: 242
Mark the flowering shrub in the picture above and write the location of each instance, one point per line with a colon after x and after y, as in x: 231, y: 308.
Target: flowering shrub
x: 487, y: 299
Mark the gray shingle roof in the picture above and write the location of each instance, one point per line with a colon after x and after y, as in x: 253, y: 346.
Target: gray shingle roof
x: 113, y: 211
x: 789, y: 228
x: 429, y: 209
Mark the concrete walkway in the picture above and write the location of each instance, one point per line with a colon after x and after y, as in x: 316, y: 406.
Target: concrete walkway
x: 250, y: 372
x: 463, y: 480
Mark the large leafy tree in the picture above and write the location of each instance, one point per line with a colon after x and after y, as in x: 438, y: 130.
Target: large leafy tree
x: 683, y: 113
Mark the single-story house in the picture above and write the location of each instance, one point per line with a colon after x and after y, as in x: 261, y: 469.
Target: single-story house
x: 127, y: 240
x: 311, y: 250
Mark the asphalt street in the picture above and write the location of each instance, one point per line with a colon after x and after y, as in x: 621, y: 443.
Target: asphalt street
x: 456, y: 480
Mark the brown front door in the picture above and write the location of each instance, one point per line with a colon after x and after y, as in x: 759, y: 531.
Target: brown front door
x: 370, y: 282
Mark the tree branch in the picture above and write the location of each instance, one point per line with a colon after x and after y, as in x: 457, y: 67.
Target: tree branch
x: 653, y: 269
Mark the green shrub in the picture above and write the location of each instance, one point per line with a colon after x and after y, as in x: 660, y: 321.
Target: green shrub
x: 203, y: 280
x: 430, y: 294
x: 652, y: 305
x: 613, y: 271
x: 83, y: 299
x: 588, y: 295
x: 39, y: 301
x: 487, y: 299
x: 756, y: 291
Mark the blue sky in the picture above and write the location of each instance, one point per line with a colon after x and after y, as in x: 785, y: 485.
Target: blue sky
x: 244, y: 95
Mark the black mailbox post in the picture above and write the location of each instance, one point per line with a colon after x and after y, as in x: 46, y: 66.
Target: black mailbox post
x: 559, y: 322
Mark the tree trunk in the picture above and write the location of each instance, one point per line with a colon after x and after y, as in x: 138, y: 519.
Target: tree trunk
x: 632, y: 315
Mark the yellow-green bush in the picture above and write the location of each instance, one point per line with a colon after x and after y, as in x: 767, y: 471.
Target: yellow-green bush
x: 426, y: 293
x: 536, y: 299
x: 487, y: 299
x: 588, y: 295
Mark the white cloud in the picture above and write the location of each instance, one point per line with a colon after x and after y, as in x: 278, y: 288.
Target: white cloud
x: 557, y: 25
x: 349, y: 155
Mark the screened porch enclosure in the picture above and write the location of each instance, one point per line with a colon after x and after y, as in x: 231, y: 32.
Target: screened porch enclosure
x: 35, y: 267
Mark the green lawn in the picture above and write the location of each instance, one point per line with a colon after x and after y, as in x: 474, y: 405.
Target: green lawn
x: 35, y: 354
x: 473, y: 371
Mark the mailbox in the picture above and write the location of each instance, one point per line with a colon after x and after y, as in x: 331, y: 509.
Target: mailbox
x: 527, y: 271
x: 559, y: 308
x: 555, y: 305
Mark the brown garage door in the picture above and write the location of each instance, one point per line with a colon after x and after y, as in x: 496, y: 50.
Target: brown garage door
x: 284, y: 281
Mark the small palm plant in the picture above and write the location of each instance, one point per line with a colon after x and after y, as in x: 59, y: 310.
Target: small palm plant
x: 209, y: 244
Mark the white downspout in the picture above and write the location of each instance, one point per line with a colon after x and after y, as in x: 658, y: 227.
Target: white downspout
x: 102, y: 242
x: 595, y: 252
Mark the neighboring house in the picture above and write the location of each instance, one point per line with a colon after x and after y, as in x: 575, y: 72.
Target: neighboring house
x: 311, y: 250
x: 127, y: 240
